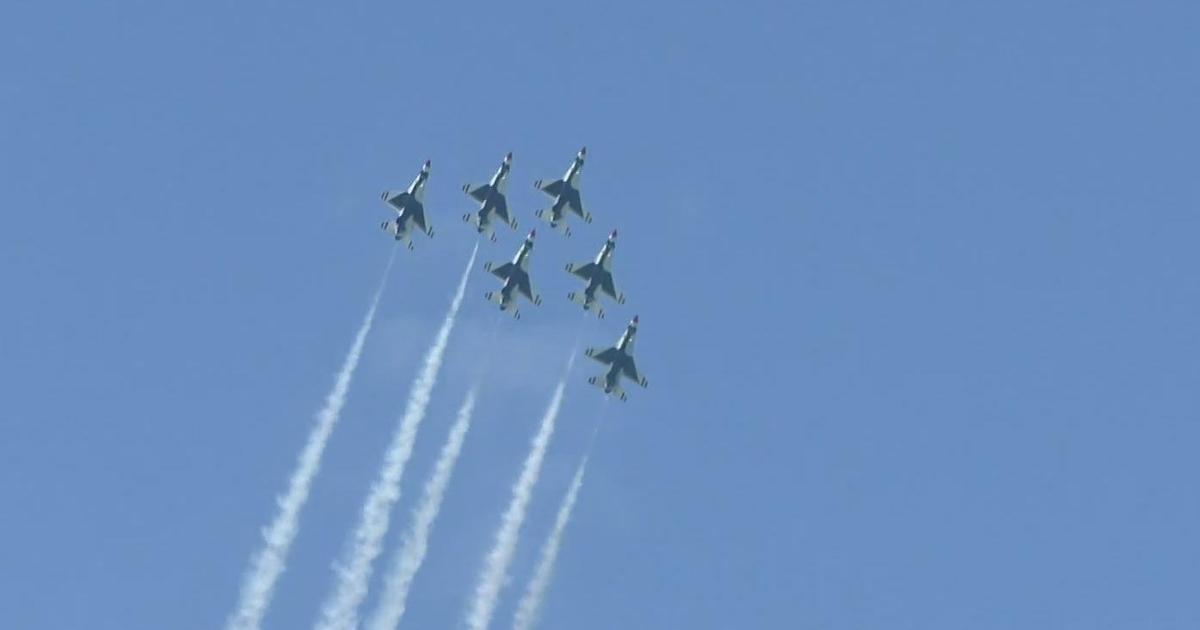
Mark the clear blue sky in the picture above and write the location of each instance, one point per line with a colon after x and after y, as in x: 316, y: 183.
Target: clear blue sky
x: 917, y: 283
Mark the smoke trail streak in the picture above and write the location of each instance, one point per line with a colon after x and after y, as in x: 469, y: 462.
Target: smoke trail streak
x: 408, y: 561
x: 340, y: 611
x: 535, y: 592
x: 495, y: 569
x: 268, y: 562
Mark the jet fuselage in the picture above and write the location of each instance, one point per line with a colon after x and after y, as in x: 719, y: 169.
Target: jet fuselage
x: 512, y: 282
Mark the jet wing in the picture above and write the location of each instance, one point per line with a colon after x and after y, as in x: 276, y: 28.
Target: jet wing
x: 503, y: 271
x: 576, y: 203
x: 629, y: 369
x: 604, y: 355
x: 524, y: 286
x: 585, y: 271
x: 554, y: 188
x: 606, y: 285
x: 416, y: 210
x: 502, y: 209
x: 480, y: 193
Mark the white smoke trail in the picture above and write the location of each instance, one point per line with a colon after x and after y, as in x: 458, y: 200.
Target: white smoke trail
x: 416, y: 542
x: 535, y: 592
x: 340, y: 611
x: 495, y: 568
x: 268, y: 562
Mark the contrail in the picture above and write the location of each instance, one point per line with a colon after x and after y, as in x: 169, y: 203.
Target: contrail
x: 531, y: 602
x: 269, y: 561
x: 495, y: 568
x: 416, y: 542
x: 340, y: 611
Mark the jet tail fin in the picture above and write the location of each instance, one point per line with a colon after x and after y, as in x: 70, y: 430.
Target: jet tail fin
x: 556, y: 220
x: 589, y: 305
x: 474, y: 220
x: 497, y: 298
x: 616, y: 389
x: 391, y: 227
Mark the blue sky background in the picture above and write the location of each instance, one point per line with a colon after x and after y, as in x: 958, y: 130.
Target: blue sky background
x: 916, y: 281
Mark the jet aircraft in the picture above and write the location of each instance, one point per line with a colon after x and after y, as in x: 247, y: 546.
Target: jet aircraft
x: 619, y: 358
x: 565, y: 193
x: 515, y: 275
x: 598, y: 275
x: 410, y: 209
x: 491, y: 201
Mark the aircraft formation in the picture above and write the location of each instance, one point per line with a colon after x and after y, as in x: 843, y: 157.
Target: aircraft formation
x: 514, y: 275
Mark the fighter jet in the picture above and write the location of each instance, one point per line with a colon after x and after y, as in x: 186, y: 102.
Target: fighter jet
x: 515, y: 275
x: 598, y: 275
x: 410, y: 209
x: 619, y: 358
x: 491, y: 201
x: 565, y: 193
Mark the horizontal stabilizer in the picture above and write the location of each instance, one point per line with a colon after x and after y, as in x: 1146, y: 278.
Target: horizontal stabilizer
x: 556, y: 220
x: 599, y: 381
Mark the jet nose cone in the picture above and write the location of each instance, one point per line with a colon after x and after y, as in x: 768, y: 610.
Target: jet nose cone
x: 428, y: 163
x: 532, y: 233
x: 583, y: 151
x: 612, y: 236
x: 508, y: 158
x: 635, y: 319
